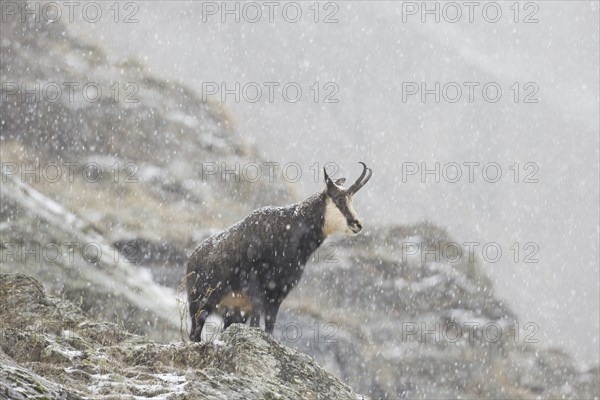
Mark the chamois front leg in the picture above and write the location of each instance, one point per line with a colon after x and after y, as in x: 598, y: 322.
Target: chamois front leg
x: 256, y: 306
x: 255, y: 297
x: 271, y: 310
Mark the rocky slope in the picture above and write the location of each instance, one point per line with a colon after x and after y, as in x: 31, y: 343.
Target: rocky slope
x: 50, y: 349
x: 397, y: 316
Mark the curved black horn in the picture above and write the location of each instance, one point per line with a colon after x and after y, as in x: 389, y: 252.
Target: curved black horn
x: 360, y: 182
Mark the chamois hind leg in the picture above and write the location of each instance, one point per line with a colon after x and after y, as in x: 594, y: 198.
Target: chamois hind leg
x: 198, y: 321
x: 195, y: 300
x: 227, y: 320
x: 199, y: 315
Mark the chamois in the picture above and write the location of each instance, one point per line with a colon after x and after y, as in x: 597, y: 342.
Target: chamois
x: 263, y: 255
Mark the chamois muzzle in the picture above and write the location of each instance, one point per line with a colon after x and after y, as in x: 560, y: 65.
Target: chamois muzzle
x: 360, y: 182
x: 355, y: 226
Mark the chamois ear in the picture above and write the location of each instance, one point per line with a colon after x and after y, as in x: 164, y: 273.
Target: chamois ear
x: 328, y: 181
x: 330, y: 187
x: 340, y: 181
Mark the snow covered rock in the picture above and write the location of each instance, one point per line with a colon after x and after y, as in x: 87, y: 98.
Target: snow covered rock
x: 48, y: 347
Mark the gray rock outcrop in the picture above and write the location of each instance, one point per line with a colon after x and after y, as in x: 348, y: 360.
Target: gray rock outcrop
x: 50, y: 349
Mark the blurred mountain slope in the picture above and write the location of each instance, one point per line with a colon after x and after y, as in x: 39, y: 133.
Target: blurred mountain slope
x: 147, y: 140
x: 109, y: 173
x: 398, y: 315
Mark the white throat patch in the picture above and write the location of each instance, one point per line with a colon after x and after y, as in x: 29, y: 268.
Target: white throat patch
x: 334, y: 222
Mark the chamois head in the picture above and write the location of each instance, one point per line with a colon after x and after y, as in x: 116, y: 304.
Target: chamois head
x: 339, y: 214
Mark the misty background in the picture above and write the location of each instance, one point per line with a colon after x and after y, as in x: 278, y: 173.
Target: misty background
x: 368, y: 53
